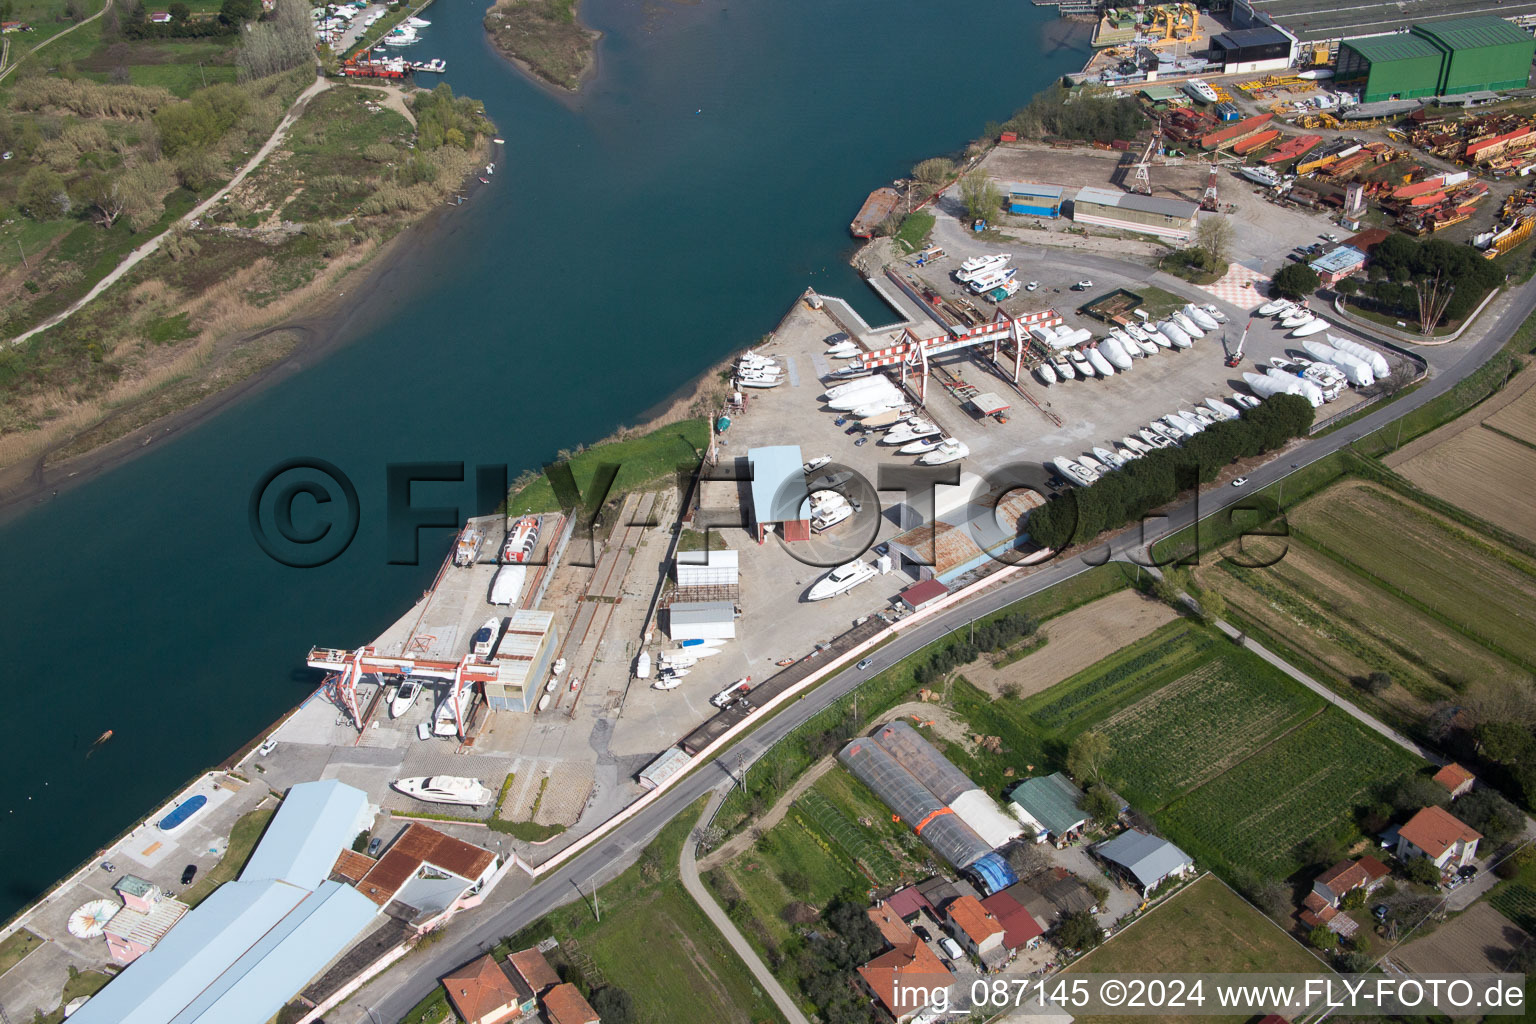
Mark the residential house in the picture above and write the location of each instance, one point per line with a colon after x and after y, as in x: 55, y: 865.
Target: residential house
x: 1438, y: 834
x: 1146, y: 860
x: 892, y: 928
x: 528, y: 968
x: 1049, y: 804
x: 907, y: 903
x: 1321, y: 905
x: 564, y: 1004
x: 482, y: 992
x: 977, y: 930
x: 1456, y: 780
x: 1039, y: 908
x: 1020, y: 929
x: 938, y: 892
x: 425, y: 877
x: 907, y: 979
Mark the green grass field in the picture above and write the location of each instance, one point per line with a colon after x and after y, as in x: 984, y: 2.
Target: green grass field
x: 242, y: 841
x: 1307, y: 783
x: 16, y: 947
x: 642, y: 461
x: 648, y: 920
x: 1205, y: 928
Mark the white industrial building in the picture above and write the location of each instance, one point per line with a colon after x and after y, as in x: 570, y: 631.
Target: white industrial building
x: 702, y: 620
x: 707, y: 569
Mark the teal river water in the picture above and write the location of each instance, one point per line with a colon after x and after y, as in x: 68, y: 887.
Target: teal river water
x: 633, y: 236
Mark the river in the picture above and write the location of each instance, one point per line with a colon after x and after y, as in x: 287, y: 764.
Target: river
x: 633, y: 235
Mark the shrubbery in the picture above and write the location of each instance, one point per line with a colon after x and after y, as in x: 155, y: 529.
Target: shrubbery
x: 1145, y: 483
x: 1089, y: 113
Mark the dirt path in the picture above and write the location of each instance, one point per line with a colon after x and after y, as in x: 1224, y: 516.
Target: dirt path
x: 394, y: 99
x: 1075, y: 641
x: 7, y: 69
x: 743, y: 840
x: 138, y: 255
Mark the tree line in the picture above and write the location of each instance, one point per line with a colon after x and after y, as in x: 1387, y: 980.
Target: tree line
x: 1402, y: 268
x: 1120, y: 497
x: 1088, y: 113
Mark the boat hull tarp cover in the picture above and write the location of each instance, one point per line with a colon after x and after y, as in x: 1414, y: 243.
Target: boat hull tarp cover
x: 941, y: 778
x: 910, y: 800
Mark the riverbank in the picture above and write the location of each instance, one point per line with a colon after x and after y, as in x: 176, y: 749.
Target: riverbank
x: 546, y: 39
x: 274, y: 274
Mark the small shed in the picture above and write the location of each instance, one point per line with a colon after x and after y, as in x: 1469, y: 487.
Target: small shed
x: 1050, y: 804
x: 1145, y: 859
x: 921, y: 595
x: 988, y: 403
x: 702, y: 620
x: 666, y: 765
x: 1034, y: 200
x: 707, y: 568
x: 1337, y: 264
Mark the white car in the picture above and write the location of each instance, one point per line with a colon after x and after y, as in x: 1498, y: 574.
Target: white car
x: 1032, y: 286
x: 1082, y: 286
x: 1240, y: 481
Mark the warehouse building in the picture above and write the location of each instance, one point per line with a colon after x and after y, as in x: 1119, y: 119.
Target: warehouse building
x: 1034, y: 200
x: 972, y: 527
x: 522, y: 660
x: 1247, y: 50
x: 1172, y: 219
x: 1321, y: 22
x: 1442, y: 58
x: 701, y: 620
x: 778, y: 491
x: 717, y: 568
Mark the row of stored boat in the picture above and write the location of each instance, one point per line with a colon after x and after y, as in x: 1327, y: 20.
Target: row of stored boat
x: 1171, y: 429
x: 879, y: 405
x: 758, y: 371
x: 1073, y: 355
x: 1300, y: 321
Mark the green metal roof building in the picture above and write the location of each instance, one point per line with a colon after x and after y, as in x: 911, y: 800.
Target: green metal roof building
x: 1439, y: 59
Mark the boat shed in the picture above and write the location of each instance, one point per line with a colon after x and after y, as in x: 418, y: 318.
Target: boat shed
x: 242, y: 953
x: 1034, y: 200
x: 989, y: 403
x: 1337, y: 264
x: 1244, y: 51
x: 1172, y: 219
x: 522, y: 660
x: 715, y: 568
x: 1145, y: 859
x: 778, y: 491
x: 667, y: 764
x: 702, y: 620
x: 968, y: 536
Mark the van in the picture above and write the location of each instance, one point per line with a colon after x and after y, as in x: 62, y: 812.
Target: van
x: 951, y: 948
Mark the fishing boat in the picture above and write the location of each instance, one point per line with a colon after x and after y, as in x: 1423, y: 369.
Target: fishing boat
x: 1073, y: 472
x: 948, y: 450
x: 1311, y: 327
x: 842, y: 579
x: 1200, y: 91
x: 921, y: 446
x: 445, y: 789
x: 1108, y: 457
x: 1201, y: 318
x: 405, y: 696
x: 521, y: 540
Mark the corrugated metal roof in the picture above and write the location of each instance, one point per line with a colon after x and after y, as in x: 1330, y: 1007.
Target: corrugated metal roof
x: 1147, y: 857
x: 1401, y: 46
x: 146, y: 927
x: 778, y: 482
x: 315, y: 820
x: 1132, y: 201
x: 1242, y: 37
x: 1034, y: 189
x: 1345, y: 257
x: 697, y: 613
x: 665, y: 766
x: 1472, y: 33
x: 1052, y: 801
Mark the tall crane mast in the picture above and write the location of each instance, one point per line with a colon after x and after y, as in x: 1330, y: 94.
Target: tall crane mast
x: 1212, y: 199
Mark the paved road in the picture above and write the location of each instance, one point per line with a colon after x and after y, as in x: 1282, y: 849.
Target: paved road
x: 688, y: 869
x: 396, y: 992
x: 138, y: 255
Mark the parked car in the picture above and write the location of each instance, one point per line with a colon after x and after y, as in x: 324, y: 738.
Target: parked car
x: 188, y: 873
x: 373, y: 846
x: 921, y: 933
x: 837, y: 339
x: 1082, y: 286
x: 1240, y: 481
x: 1032, y: 286
x: 1467, y: 871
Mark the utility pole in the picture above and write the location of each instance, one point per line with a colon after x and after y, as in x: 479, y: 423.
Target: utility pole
x: 596, y: 907
x: 29, y: 267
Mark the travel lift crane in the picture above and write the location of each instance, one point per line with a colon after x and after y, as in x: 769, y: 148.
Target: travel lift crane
x: 1235, y: 359
x: 1142, y: 181
x: 1212, y: 199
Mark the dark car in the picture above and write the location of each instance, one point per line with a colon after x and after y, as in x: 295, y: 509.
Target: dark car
x: 838, y: 338
x: 922, y: 933
x: 1380, y: 911
x: 373, y: 847
x: 1467, y: 871
x: 188, y: 873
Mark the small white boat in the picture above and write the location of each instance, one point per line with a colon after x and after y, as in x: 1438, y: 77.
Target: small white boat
x: 1128, y: 344
x: 1170, y: 427
x: 1214, y: 312
x: 544, y: 701
x: 760, y: 382
x: 1081, y: 365
x: 1200, y: 91
x: 1221, y: 408
x: 906, y: 433
x: 1126, y: 452
x: 1174, y: 334
x: 824, y: 521
x: 1147, y: 346
x: 405, y: 696
x: 643, y: 666
x: 949, y: 450
x: 1108, y: 457
x: 879, y: 406
x: 1046, y: 374
x: 1187, y: 325
x: 1073, y: 472
x: 669, y: 683
x: 1139, y: 447
x: 1275, y: 307
x: 922, y: 446
x: 1297, y: 317
x: 816, y: 463
x: 1316, y: 74
x: 669, y: 673
x: 1190, y: 423
x: 1156, y: 438
x: 1100, y: 365
x: 687, y: 655
x: 838, y: 391
x: 1245, y: 401
x: 415, y: 22
x: 549, y: 687
x: 1116, y: 353
x: 445, y: 789
x: 1064, y: 369
x: 1201, y: 318
x: 1314, y: 326
x: 507, y: 587
x: 1202, y: 414
x: 1160, y: 340
x: 1372, y: 358
x: 1092, y: 465
x: 842, y: 579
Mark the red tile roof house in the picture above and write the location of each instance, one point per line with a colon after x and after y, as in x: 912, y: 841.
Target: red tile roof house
x: 482, y: 993
x: 1020, y: 929
x: 977, y: 930
x: 564, y: 1004
x: 1321, y: 906
x: 892, y: 928
x: 907, y: 979
x: 1456, y: 779
x: 1439, y: 835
